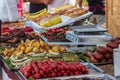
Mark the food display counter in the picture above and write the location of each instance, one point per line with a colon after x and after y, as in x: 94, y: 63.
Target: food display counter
x: 51, y: 46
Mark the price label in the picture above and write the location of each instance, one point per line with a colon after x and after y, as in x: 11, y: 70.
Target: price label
x: 45, y: 39
x: 72, y: 37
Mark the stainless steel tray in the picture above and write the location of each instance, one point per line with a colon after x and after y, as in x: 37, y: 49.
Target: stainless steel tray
x: 77, y: 43
x: 96, y: 28
x: 55, y: 40
x: 82, y: 77
x: 79, y: 50
x: 93, y: 71
x: 70, y: 35
x: 71, y: 20
x: 66, y: 21
x: 87, y: 15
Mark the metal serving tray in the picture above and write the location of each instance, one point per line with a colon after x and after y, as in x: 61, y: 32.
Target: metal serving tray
x: 87, y: 15
x: 82, y: 77
x: 55, y: 40
x: 80, y: 50
x: 70, y: 35
x: 66, y: 21
x: 93, y: 71
x: 77, y: 43
x: 94, y: 28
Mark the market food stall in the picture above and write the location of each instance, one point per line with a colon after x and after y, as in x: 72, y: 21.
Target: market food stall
x: 60, y: 44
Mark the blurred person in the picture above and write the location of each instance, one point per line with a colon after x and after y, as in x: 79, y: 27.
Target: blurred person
x: 57, y: 3
x: 8, y: 10
x: 96, y: 6
x: 37, y: 5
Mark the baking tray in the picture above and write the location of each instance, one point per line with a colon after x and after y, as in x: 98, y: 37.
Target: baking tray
x: 55, y: 40
x: 102, y: 76
x: 105, y: 63
x: 91, y: 68
x: 82, y: 77
x: 95, y: 77
x: 94, y: 28
x: 87, y: 15
x: 80, y: 50
x: 70, y: 35
x: 66, y: 21
x: 77, y: 43
x: 37, y: 28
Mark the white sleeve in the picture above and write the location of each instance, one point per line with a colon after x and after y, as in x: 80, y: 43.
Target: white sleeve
x: 73, y: 2
x: 57, y: 3
x: 1, y: 6
x: 12, y: 10
x: 4, y: 11
x: 8, y: 10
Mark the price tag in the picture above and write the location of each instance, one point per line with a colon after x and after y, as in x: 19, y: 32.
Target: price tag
x: 72, y: 37
x: 45, y: 39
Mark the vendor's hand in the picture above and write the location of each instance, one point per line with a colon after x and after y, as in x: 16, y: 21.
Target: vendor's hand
x: 80, y: 3
x: 47, y: 2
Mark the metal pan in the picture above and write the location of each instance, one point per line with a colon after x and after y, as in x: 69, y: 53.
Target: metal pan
x: 93, y: 71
